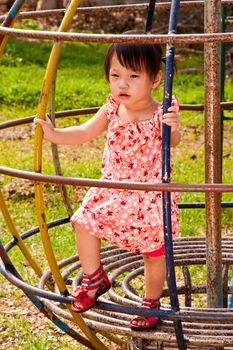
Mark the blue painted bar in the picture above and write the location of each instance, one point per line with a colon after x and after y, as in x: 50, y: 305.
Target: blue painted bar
x: 171, y: 277
x: 14, y: 10
x: 12, y: 14
x: 150, y: 14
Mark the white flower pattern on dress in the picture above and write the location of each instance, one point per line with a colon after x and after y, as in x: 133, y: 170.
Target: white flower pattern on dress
x: 132, y: 220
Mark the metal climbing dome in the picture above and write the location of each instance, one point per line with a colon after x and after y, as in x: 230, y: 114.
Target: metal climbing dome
x: 181, y: 327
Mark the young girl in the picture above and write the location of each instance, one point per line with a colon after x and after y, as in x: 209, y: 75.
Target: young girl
x: 129, y: 219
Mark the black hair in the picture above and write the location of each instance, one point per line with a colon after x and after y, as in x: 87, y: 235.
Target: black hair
x: 137, y: 57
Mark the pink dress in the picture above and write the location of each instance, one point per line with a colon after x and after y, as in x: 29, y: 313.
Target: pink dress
x: 132, y: 220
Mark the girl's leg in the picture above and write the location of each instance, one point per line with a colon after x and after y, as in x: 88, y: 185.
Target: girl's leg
x: 155, y: 276
x: 88, y: 249
x: 95, y: 280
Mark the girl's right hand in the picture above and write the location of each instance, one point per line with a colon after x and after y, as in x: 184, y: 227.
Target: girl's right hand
x: 47, y: 126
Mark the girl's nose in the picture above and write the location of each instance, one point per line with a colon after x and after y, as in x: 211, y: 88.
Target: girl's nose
x: 123, y: 83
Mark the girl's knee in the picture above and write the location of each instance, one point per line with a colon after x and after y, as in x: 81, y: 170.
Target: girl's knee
x: 149, y: 258
x: 153, y: 259
x: 76, y: 226
x: 79, y: 230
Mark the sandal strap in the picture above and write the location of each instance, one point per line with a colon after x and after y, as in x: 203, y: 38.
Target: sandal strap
x: 151, y: 303
x: 93, y: 280
x: 95, y: 273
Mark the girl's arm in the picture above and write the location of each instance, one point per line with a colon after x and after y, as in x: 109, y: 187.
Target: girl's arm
x: 75, y: 135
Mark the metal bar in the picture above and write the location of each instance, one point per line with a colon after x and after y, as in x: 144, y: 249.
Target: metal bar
x: 35, y: 230
x: 212, y: 156
x: 7, y: 268
x: 119, y: 38
x: 150, y: 14
x: 9, y: 21
x: 222, y: 86
x: 223, y: 73
x: 200, y: 205
x: 168, y: 82
x: 227, y: 118
x: 209, y: 316
x: 139, y: 186
x: 92, y: 110
x: 160, y: 6
x: 39, y: 198
x: 17, y: 238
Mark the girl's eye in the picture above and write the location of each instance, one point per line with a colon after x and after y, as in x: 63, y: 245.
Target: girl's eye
x: 114, y: 75
x: 134, y: 76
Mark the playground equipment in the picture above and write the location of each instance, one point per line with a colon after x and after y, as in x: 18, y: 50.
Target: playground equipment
x: 185, y: 327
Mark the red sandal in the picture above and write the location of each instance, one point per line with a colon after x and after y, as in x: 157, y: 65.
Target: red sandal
x: 146, y: 323
x: 97, y: 280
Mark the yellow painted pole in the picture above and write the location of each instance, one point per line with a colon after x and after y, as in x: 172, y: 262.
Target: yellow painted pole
x: 48, y: 79
x: 17, y: 236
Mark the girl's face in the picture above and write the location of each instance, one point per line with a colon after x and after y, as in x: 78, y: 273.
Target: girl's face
x: 129, y: 87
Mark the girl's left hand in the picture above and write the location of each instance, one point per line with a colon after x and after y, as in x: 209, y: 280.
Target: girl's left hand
x: 172, y: 118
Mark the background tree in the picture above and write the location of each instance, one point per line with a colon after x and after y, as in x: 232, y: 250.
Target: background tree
x: 49, y: 5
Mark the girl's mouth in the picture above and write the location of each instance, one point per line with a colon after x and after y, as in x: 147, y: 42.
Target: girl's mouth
x: 122, y: 95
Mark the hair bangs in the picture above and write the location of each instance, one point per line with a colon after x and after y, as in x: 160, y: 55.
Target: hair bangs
x: 137, y: 57
x: 128, y: 59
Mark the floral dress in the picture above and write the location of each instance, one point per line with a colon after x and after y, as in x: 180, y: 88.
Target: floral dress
x: 129, y: 219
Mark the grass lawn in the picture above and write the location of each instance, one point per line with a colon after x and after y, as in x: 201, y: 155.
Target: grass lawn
x: 81, y: 83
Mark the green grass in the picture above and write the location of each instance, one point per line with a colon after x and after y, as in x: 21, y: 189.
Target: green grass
x: 81, y: 83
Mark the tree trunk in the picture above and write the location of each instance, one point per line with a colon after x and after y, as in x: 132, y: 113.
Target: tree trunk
x: 49, y: 5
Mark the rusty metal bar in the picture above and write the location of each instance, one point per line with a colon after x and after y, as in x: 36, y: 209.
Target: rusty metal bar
x: 92, y: 110
x: 160, y: 6
x: 139, y: 186
x: 212, y: 155
x: 119, y: 38
x: 207, y: 315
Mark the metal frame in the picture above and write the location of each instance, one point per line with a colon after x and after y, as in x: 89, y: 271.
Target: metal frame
x: 212, y: 188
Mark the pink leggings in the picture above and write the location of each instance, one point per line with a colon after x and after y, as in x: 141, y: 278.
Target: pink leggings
x: 156, y: 253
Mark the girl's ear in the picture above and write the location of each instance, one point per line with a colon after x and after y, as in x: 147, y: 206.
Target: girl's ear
x: 157, y: 79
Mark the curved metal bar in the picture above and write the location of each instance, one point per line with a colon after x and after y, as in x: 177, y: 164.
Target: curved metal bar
x: 162, y: 187
x: 17, y: 238
x: 166, y: 197
x: 9, y: 21
x: 183, y: 248
x: 160, y: 6
x: 62, y: 114
x: 208, y: 315
x: 35, y: 230
x: 8, y: 265
x: 92, y: 110
x: 119, y: 38
x: 39, y: 198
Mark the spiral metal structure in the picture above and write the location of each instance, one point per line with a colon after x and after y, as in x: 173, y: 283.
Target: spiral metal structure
x: 180, y: 327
